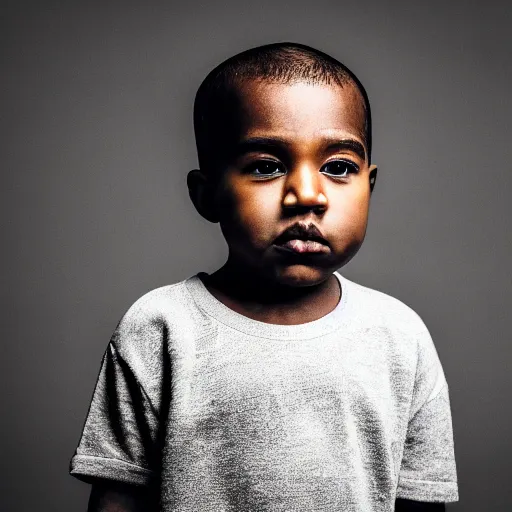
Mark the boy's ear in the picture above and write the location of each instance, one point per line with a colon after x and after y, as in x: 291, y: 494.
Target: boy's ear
x: 373, y: 177
x: 201, y: 194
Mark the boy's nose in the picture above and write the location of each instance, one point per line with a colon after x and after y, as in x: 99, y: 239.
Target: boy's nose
x: 304, y: 188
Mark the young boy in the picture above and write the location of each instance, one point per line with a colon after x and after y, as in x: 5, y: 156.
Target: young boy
x: 275, y: 383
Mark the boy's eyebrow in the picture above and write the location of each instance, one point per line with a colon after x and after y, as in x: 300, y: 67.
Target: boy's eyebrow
x: 350, y: 144
x: 265, y: 143
x: 260, y: 144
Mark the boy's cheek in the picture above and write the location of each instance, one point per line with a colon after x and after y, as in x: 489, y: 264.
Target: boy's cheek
x: 354, y: 203
x: 225, y: 203
x: 247, y: 205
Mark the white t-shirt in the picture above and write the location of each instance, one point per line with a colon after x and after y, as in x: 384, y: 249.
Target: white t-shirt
x: 226, y: 413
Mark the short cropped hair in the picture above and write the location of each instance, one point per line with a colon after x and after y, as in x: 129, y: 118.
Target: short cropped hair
x: 276, y: 63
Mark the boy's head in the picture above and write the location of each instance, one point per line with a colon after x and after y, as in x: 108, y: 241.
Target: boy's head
x: 283, y: 134
x: 215, y: 112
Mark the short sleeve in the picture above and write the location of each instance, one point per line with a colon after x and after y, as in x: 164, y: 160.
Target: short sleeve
x: 428, y: 470
x: 120, y: 435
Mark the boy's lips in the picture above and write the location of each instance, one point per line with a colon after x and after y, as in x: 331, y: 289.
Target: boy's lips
x: 304, y: 246
x: 302, y: 238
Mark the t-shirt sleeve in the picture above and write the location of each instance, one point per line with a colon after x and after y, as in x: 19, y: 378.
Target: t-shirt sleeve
x: 428, y: 470
x: 119, y: 438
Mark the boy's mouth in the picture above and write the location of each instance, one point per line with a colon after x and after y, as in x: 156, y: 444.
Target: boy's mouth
x: 304, y: 246
x: 302, y: 238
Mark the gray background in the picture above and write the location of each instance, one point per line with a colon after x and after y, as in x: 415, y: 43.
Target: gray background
x: 96, y: 140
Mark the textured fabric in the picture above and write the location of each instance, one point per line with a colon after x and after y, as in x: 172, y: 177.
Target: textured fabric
x: 227, y: 413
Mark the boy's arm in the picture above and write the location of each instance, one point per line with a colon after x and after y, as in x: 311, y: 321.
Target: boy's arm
x: 427, y: 471
x: 402, y: 505
x: 110, y: 496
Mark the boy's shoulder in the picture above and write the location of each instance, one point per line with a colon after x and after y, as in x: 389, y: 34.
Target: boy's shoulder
x: 386, y: 321
x: 157, y: 310
x: 159, y: 301
x: 375, y: 307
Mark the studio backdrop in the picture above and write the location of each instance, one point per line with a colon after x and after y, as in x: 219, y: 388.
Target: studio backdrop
x: 97, y: 139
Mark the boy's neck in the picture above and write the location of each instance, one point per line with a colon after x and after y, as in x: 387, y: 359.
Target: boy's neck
x: 250, y: 295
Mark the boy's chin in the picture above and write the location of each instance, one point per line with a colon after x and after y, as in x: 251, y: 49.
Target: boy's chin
x: 301, y: 275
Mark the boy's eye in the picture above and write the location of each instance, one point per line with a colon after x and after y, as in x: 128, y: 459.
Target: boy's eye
x: 340, y: 168
x: 265, y: 168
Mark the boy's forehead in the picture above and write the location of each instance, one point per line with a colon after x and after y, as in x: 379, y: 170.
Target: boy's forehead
x: 299, y: 110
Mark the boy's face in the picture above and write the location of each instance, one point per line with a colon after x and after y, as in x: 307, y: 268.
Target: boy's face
x: 298, y: 157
